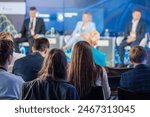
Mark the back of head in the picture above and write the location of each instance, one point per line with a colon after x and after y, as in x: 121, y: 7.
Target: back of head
x: 82, y: 68
x: 92, y: 37
x: 6, y: 47
x: 41, y: 44
x: 6, y: 36
x: 138, y: 55
x: 54, y: 66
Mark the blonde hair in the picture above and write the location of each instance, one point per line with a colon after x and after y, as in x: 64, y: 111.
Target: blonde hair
x: 6, y: 36
x: 92, y: 37
x: 6, y: 47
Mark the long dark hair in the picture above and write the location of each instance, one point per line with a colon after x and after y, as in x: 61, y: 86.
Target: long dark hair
x: 82, y: 70
x: 54, y: 66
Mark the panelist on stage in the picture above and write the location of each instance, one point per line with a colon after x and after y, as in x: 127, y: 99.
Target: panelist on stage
x: 81, y: 28
x: 32, y: 29
x: 134, y: 33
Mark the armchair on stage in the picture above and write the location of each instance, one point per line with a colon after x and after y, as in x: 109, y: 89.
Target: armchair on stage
x: 143, y: 43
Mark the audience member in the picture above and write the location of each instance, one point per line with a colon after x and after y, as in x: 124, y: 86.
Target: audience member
x: 9, y: 84
x: 83, y: 72
x: 7, y: 35
x: 51, y: 83
x: 29, y: 66
x: 137, y: 79
x: 92, y: 38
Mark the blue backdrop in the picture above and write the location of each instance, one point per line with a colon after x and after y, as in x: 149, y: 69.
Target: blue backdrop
x: 110, y: 14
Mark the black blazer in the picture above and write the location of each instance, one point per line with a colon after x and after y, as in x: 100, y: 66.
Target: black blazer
x: 28, y: 66
x: 39, y: 27
x: 140, y: 30
x: 137, y: 79
x: 48, y: 90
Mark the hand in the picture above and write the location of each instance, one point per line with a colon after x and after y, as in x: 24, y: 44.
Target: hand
x: 130, y: 40
x: 36, y: 36
x: 133, y: 34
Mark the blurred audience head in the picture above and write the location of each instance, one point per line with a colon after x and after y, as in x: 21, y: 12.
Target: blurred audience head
x: 136, y: 14
x: 86, y: 17
x: 138, y: 55
x: 82, y: 69
x: 6, y: 36
x: 41, y: 45
x: 54, y: 66
x: 32, y: 12
x: 92, y: 37
x: 6, y: 49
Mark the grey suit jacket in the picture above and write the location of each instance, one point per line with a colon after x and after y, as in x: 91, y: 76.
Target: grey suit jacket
x: 88, y: 27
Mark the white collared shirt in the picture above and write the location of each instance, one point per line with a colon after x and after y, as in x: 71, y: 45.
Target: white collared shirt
x: 34, y: 22
x: 134, y: 25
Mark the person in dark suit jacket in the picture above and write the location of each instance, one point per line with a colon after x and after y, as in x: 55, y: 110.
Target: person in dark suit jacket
x: 29, y: 66
x: 137, y: 79
x: 32, y: 29
x: 134, y: 33
x: 51, y: 83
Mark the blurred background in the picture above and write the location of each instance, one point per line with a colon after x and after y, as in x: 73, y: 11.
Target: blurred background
x: 64, y: 14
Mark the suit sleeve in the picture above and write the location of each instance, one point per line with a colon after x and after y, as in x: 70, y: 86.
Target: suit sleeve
x: 141, y: 33
x: 127, y: 31
x: 43, y: 30
x: 23, y: 29
x: 123, y: 82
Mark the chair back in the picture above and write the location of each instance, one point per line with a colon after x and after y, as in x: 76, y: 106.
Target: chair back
x: 114, y: 75
x: 124, y: 94
x: 144, y: 41
x: 96, y: 93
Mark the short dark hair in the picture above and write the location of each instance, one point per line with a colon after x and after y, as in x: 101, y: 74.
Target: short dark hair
x: 41, y: 44
x: 86, y: 12
x: 136, y: 9
x: 6, y: 48
x: 33, y: 8
x: 137, y: 54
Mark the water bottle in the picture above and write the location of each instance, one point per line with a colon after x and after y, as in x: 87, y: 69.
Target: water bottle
x: 106, y: 34
x: 52, y: 31
x: 22, y: 50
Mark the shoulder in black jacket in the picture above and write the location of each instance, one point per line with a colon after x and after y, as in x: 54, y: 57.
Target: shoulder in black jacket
x: 48, y: 90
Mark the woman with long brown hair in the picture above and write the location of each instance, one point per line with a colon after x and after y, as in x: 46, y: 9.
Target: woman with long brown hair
x: 83, y: 72
x: 51, y: 82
